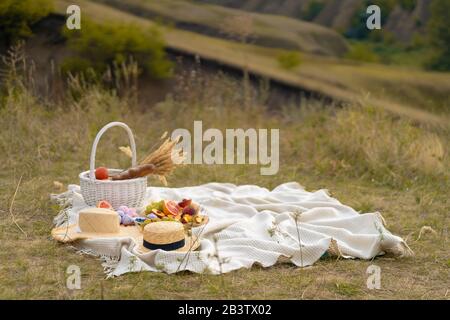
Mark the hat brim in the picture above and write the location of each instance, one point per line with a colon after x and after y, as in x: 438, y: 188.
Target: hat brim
x: 70, y: 233
x: 191, y: 244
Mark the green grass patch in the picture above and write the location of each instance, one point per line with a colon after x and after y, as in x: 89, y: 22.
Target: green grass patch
x: 289, y: 60
x: 391, y: 53
x: 346, y: 289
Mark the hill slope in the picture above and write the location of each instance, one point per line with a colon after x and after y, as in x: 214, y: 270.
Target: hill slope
x: 266, y: 30
x: 411, y: 93
x: 403, y: 20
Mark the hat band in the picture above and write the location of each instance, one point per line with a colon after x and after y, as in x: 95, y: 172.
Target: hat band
x: 167, y: 247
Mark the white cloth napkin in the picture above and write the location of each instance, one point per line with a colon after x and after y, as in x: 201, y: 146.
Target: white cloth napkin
x: 247, y: 225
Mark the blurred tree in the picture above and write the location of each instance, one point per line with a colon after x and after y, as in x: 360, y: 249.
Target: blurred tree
x: 17, y: 16
x: 313, y: 10
x: 408, y: 5
x: 358, y: 28
x: 439, y: 35
x: 99, y: 46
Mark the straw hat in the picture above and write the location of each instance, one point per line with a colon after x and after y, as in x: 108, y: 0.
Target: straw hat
x: 96, y: 223
x: 168, y: 236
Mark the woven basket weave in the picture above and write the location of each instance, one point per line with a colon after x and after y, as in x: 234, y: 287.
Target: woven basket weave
x: 130, y: 192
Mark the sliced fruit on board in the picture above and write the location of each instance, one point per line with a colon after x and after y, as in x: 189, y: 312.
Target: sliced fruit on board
x: 189, y: 210
x: 186, y: 218
x: 158, y: 213
x: 171, y: 208
x: 155, y: 206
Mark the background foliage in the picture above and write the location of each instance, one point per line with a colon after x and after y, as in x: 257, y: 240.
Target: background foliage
x: 16, y: 17
x: 439, y: 33
x: 99, y: 46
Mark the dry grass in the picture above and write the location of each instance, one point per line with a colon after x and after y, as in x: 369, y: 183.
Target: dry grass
x: 373, y: 143
x: 343, y: 150
x: 418, y: 95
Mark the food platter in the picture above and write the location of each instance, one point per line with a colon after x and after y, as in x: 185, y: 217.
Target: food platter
x: 186, y: 212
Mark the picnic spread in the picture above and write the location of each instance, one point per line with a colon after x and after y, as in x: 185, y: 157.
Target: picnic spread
x: 214, y: 227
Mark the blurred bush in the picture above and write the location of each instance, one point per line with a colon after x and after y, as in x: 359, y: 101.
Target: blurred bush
x: 17, y: 16
x: 439, y: 35
x: 289, y: 60
x: 362, y: 52
x: 99, y: 46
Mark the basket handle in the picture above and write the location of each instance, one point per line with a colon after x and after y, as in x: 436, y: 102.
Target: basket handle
x: 97, y: 139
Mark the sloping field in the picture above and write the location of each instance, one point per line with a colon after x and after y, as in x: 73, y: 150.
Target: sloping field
x: 267, y: 30
x: 412, y: 93
x: 402, y: 21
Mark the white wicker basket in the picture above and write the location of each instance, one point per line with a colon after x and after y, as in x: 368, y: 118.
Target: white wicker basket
x: 129, y: 192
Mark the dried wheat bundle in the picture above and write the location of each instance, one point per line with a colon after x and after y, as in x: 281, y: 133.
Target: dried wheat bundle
x: 165, y: 159
x: 161, y: 162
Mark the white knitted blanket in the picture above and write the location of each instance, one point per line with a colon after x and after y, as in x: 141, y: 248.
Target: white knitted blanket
x: 247, y: 225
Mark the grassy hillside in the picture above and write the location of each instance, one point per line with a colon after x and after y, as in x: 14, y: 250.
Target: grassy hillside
x: 365, y: 157
x: 408, y: 92
x: 268, y: 30
x: 403, y: 18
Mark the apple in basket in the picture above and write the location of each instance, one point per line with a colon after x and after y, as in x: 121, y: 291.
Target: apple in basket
x: 101, y: 173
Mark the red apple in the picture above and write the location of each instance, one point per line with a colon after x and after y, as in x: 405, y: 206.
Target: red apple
x: 101, y: 173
